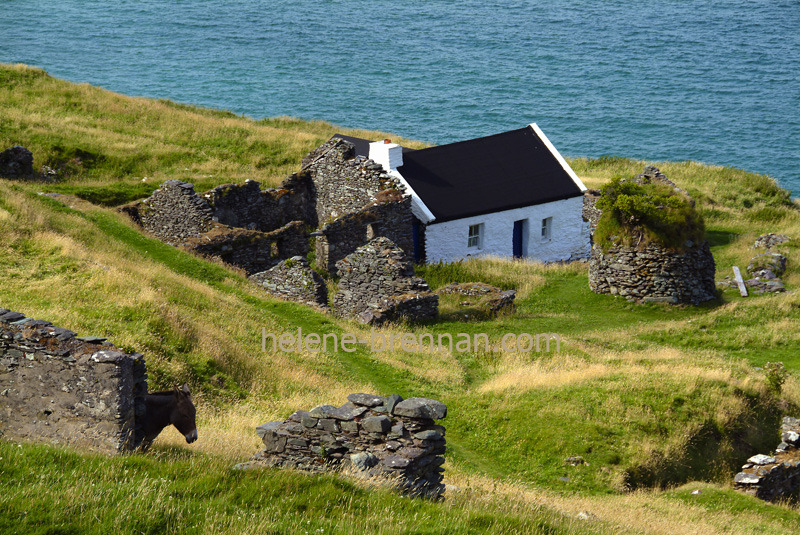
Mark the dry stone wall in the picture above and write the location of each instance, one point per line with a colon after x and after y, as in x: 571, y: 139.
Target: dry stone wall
x: 178, y: 216
x: 294, y: 280
x: 343, y: 183
x: 339, y: 238
x: 59, y: 388
x: 173, y: 213
x: 654, y: 274
x: 252, y: 250
x: 374, y: 436
x: 776, y: 476
x: 483, y: 296
x: 650, y: 272
x: 247, y: 206
x: 378, y: 284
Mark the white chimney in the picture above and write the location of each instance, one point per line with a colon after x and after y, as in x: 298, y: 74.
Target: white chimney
x: 386, y: 153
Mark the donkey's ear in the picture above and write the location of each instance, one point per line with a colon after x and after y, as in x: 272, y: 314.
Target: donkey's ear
x: 185, y: 389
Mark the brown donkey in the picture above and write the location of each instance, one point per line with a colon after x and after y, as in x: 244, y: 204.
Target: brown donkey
x: 170, y: 407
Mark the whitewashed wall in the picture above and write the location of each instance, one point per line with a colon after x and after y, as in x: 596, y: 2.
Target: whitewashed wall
x: 569, y: 237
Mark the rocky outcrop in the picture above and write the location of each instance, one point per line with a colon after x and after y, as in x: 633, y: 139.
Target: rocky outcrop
x: 378, y: 284
x: 653, y: 274
x: 371, y: 436
x: 16, y: 162
x: 294, y: 280
x: 60, y: 388
x: 765, y: 269
x: 776, y: 476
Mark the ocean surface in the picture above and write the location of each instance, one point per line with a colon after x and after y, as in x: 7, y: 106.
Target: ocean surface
x: 713, y: 81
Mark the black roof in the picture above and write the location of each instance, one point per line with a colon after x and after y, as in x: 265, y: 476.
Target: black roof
x: 484, y: 175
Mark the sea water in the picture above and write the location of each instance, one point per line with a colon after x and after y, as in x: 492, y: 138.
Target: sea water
x: 713, y: 81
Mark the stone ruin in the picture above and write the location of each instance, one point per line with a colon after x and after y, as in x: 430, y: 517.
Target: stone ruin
x: 378, y: 284
x: 175, y: 214
x: 777, y: 476
x: 60, y: 388
x: 16, y: 162
x: 349, y: 201
x: 765, y: 269
x: 371, y: 436
x: 485, y: 298
x: 652, y: 273
x: 293, y: 279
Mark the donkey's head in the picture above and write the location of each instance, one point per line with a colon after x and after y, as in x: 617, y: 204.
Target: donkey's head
x: 183, y: 414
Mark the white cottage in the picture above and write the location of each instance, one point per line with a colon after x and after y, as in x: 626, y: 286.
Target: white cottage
x: 510, y: 194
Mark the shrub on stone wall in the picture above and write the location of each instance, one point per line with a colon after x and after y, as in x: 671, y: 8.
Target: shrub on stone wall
x: 643, y: 211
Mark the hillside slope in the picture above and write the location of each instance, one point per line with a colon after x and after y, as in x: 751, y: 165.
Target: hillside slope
x: 648, y: 395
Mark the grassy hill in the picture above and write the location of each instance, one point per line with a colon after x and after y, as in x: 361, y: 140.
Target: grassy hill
x: 654, y: 397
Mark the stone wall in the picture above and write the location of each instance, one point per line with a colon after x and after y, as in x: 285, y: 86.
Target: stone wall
x: 58, y: 388
x: 173, y: 213
x: 650, y: 272
x: 294, y: 280
x: 344, y: 184
x: 252, y: 250
x: 777, y: 476
x: 483, y: 297
x: 247, y: 206
x: 178, y: 216
x: 378, y: 284
x: 372, y: 435
x: 654, y: 274
x: 339, y: 238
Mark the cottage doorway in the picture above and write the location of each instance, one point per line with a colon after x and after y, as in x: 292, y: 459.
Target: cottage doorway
x: 519, y: 238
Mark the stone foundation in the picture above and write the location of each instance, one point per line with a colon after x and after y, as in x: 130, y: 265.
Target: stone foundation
x: 58, y: 388
x: 374, y: 436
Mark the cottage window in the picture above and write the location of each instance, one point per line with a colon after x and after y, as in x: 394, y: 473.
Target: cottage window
x: 475, y: 235
x: 547, y: 226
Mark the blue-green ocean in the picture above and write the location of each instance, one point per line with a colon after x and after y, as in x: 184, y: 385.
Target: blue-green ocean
x: 716, y: 81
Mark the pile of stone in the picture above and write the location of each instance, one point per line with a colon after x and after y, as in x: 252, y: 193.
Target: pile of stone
x: 378, y: 284
x: 60, y: 388
x: 293, y: 279
x: 777, y: 476
x: 16, y: 162
x: 487, y: 298
x: 765, y: 269
x: 372, y: 436
x: 770, y: 240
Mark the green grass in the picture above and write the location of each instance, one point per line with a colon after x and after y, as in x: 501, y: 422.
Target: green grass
x: 48, y: 490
